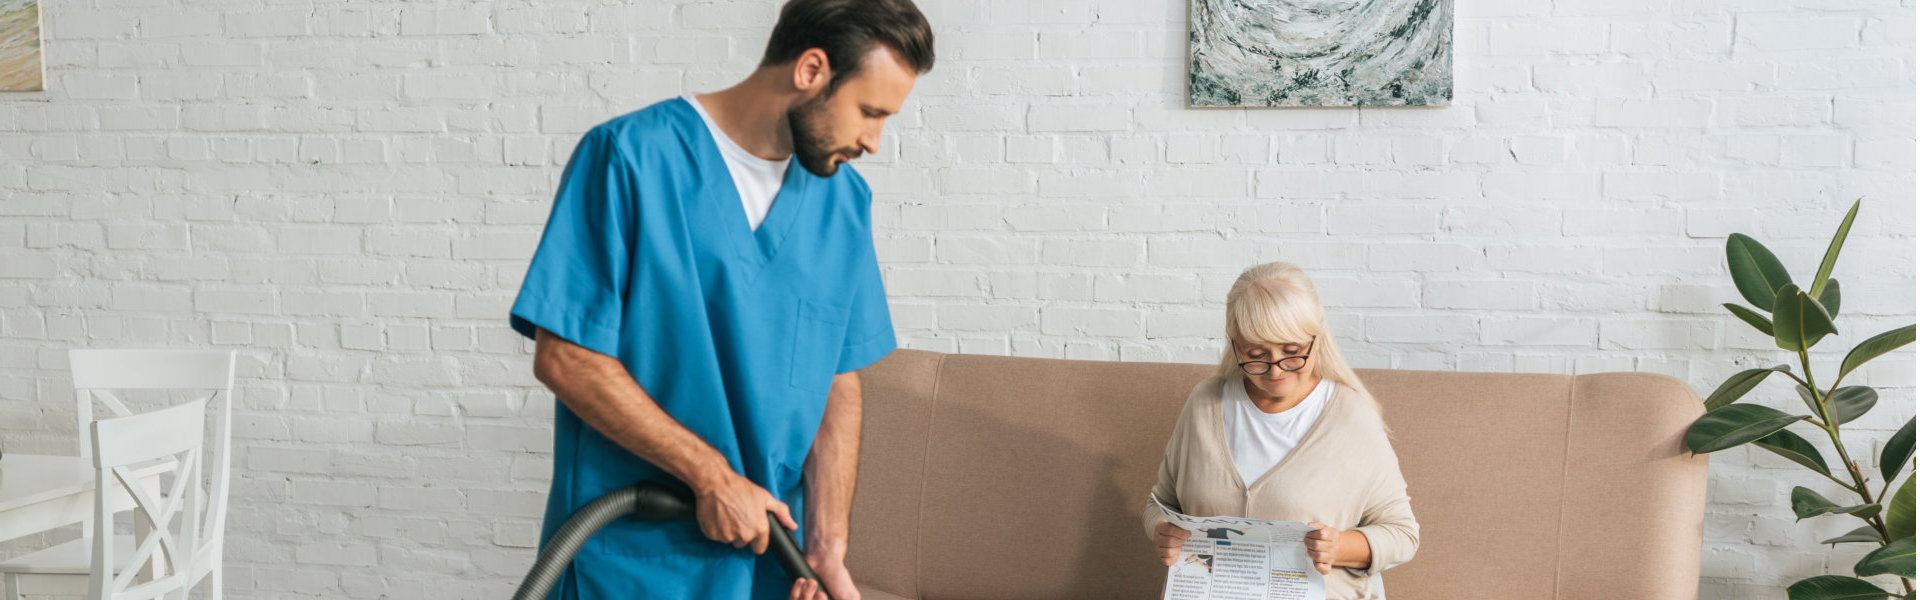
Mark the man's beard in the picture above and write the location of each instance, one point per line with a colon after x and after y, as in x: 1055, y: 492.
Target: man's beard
x: 807, y: 124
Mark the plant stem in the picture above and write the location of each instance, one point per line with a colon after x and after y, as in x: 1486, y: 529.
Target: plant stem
x: 1837, y: 480
x: 1833, y: 433
x: 1819, y: 401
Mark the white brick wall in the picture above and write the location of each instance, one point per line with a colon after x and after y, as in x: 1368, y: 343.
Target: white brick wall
x: 347, y: 193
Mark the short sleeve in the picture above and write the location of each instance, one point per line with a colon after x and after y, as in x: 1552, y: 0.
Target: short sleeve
x: 869, y: 324
x: 574, y: 286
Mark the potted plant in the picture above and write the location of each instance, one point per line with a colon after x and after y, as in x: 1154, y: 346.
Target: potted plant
x: 1798, y: 319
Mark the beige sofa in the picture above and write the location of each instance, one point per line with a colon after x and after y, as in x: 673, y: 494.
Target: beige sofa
x: 1004, y: 478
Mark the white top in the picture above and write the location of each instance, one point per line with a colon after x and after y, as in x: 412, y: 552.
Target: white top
x: 1257, y: 439
x: 757, y: 179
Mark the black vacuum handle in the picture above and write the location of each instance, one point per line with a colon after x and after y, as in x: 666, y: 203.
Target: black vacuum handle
x: 657, y: 501
x: 660, y: 501
x: 786, y: 552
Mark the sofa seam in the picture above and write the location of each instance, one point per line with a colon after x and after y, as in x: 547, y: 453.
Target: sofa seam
x: 1566, y: 462
x: 926, y: 459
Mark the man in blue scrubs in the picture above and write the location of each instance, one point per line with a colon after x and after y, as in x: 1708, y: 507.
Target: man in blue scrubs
x: 702, y: 300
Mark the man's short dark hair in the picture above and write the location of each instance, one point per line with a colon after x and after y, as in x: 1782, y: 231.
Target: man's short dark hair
x: 847, y: 30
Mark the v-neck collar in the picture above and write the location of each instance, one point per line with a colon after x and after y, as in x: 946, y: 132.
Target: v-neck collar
x: 1225, y: 450
x: 795, y: 189
x: 757, y: 247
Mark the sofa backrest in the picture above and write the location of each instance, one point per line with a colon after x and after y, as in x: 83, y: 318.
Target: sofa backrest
x: 1004, y: 478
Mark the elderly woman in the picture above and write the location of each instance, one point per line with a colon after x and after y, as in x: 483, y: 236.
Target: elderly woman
x: 1286, y: 432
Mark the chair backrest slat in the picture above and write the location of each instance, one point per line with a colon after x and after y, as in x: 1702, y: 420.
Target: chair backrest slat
x: 121, y: 441
x: 152, y: 369
x: 122, y: 446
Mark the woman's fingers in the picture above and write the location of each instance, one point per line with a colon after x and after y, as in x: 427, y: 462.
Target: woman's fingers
x: 1320, y: 531
x: 1168, y: 554
x: 1323, y: 544
x: 1168, y: 539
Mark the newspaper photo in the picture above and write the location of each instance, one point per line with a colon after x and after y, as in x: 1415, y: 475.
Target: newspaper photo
x: 1230, y: 558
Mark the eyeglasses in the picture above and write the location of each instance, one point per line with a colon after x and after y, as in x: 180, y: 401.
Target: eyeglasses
x: 1288, y: 364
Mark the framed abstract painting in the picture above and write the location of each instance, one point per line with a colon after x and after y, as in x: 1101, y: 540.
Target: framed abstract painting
x: 1320, y: 53
x: 20, y: 63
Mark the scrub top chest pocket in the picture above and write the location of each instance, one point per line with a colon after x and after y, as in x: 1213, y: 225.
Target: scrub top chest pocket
x: 819, y: 330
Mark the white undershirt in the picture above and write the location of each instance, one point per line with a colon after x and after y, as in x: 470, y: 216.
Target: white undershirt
x: 757, y: 179
x: 1257, y: 439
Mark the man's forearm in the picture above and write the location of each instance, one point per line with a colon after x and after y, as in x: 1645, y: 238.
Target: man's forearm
x: 832, y: 467
x: 604, y: 395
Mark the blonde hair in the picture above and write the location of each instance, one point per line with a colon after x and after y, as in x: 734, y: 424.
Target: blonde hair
x: 1275, y: 303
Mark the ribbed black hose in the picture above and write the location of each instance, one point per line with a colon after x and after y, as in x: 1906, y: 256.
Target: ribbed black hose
x: 646, y: 501
x: 558, y: 553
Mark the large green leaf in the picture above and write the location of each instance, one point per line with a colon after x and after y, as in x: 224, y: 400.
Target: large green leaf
x: 1829, y: 297
x: 1808, y: 504
x: 1806, y: 397
x: 1739, y: 384
x: 1873, y: 348
x: 1865, y: 533
x: 1733, y: 425
x: 1895, y: 558
x: 1864, y: 511
x: 1899, y: 448
x: 1757, y: 320
x: 1798, y: 322
x: 1851, y: 402
x: 1834, y: 587
x: 1794, y: 448
x: 1833, y: 253
x: 1900, y: 512
x: 1755, y: 271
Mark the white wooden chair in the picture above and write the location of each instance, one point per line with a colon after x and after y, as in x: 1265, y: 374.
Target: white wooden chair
x: 98, y: 374
x: 159, y: 564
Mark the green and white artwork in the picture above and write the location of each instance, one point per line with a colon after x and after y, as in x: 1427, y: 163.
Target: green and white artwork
x: 20, y: 64
x: 1320, y: 53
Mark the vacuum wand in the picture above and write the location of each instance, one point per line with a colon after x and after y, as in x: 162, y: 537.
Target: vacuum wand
x: 649, y: 500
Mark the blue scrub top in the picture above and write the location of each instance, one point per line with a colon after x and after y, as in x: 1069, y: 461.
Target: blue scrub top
x: 737, y: 333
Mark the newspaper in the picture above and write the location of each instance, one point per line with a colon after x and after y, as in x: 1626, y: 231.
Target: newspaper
x: 1230, y: 558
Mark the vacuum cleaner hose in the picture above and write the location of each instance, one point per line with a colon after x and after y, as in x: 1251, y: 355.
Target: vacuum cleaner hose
x: 648, y: 500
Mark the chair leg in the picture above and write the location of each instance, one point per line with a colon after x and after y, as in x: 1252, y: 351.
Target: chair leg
x: 214, y: 578
x: 13, y: 586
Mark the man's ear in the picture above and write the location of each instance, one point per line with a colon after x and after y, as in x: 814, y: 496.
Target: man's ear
x: 811, y: 72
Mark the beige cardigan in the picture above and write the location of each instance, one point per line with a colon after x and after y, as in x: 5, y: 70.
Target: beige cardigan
x: 1343, y: 473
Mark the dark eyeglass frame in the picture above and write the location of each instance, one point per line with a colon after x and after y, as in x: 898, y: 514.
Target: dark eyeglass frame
x: 1261, y: 367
